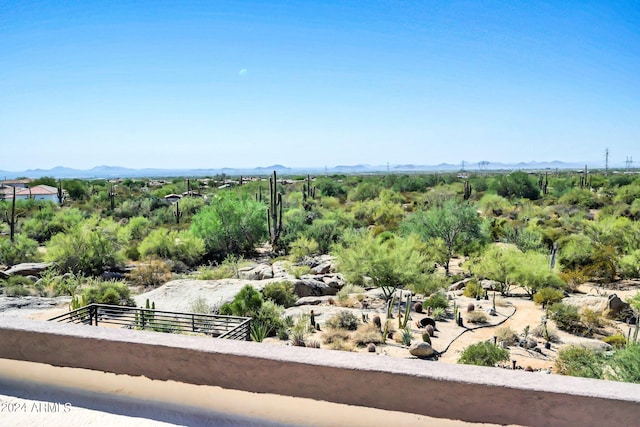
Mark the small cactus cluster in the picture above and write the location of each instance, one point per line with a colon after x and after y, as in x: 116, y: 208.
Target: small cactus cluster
x: 543, y: 184
x: 308, y: 193
x: 417, y: 307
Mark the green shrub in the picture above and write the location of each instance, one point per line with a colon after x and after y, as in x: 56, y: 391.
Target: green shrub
x: 566, y: 316
x: 579, y: 361
x: 270, y: 315
x: 507, y: 335
x: 246, y: 303
x: 280, y: 293
x: 348, y: 289
x: 439, y: 313
x: 23, y: 249
x: 477, y: 317
x: 302, y: 247
x: 483, y: 354
x: 109, y: 292
x: 367, y: 333
x: 174, y: 245
x: 616, y: 341
x: 548, y: 296
x: 437, y: 300
x: 625, y: 365
x: 152, y: 273
x: 16, y: 290
x: 344, y: 320
x: 200, y: 305
x: 473, y: 289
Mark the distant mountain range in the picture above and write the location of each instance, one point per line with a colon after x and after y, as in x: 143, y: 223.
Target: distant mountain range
x: 121, y: 172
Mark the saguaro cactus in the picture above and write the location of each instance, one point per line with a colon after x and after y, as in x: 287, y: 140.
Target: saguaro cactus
x: 274, y: 211
x: 467, y: 190
x: 60, y: 193
x: 12, y: 221
x: 112, y: 197
x: 308, y: 192
x: 178, y: 213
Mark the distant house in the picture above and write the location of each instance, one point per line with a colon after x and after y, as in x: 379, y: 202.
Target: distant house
x: 172, y: 198
x: 17, y: 183
x: 39, y: 192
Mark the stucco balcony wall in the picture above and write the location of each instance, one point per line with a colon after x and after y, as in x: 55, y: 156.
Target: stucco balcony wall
x: 409, y: 385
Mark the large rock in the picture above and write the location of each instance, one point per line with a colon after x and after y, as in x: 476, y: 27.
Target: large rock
x: 334, y: 280
x: 311, y: 287
x: 459, y: 285
x: 421, y: 349
x: 311, y: 300
x: 256, y: 272
x: 28, y: 269
x: 322, y: 268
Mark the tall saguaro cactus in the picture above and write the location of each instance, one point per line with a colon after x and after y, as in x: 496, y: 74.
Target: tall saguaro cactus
x: 308, y: 192
x: 12, y: 221
x: 274, y: 211
x: 178, y: 213
x: 112, y: 197
x: 467, y: 190
x: 60, y: 193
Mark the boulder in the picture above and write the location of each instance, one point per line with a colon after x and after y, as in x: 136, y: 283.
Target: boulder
x: 311, y: 287
x: 421, y: 349
x: 256, y: 272
x: 334, y: 280
x: 322, y: 268
x: 459, y: 285
x: 489, y: 285
x: 311, y: 300
x: 28, y: 269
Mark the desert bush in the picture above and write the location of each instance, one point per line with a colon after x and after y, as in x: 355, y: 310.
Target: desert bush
x: 366, y: 334
x: 625, y: 365
x: 302, y: 247
x: 617, y: 341
x: 280, y: 293
x: 172, y: 244
x: 231, y: 224
x: 228, y: 268
x: 17, y: 286
x: 437, y: 300
x: 406, y: 336
x: 579, y: 361
x: 507, y: 335
x: 108, y: 292
x: 473, y: 289
x: 349, y: 289
x: 200, y: 305
x: 483, y: 354
x: 89, y: 247
x: 271, y: 315
x: 299, y: 270
x: 22, y: 249
x: 246, y: 303
x: 566, y: 316
x: 591, y: 320
x: 548, y: 295
x: 439, y: 313
x: 546, y: 332
x: 330, y: 336
x: 151, y: 273
x: 258, y: 331
x: 477, y: 317
x: 205, y: 272
x: 344, y: 320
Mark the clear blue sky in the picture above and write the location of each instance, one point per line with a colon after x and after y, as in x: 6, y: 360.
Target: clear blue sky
x: 210, y: 84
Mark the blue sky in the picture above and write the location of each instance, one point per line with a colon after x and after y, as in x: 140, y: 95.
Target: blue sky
x: 210, y: 84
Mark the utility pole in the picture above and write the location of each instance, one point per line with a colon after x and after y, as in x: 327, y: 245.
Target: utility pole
x: 606, y: 162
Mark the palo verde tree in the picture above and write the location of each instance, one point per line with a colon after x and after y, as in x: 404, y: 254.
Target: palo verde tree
x: 391, y: 262
x: 456, y: 223
x: 231, y: 224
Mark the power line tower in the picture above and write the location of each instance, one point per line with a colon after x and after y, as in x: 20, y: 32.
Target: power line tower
x: 606, y: 162
x: 629, y: 163
x: 483, y: 165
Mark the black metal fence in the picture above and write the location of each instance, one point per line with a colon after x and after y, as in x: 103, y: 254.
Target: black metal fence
x: 229, y: 327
